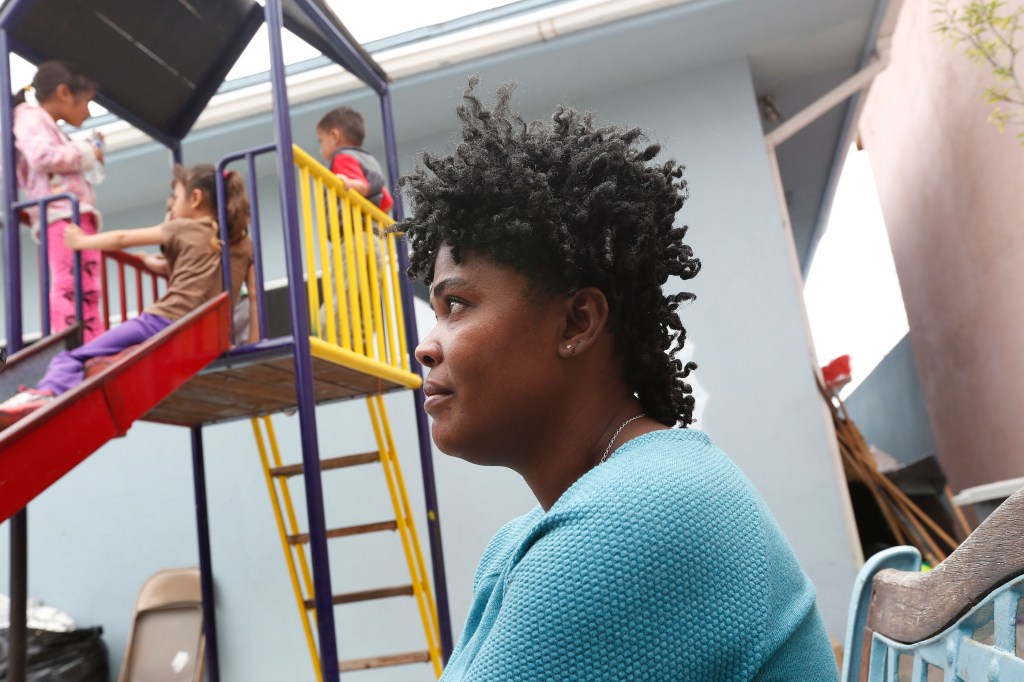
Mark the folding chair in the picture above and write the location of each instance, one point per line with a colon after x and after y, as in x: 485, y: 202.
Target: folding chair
x: 166, y: 642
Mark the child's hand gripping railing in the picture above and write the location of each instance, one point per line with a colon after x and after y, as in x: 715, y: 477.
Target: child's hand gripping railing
x: 355, y: 304
x: 131, y: 269
x: 42, y: 205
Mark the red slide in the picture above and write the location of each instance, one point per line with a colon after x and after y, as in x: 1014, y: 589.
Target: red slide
x: 45, y: 445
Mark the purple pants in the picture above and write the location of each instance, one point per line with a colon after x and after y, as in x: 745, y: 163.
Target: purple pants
x: 62, y: 282
x: 68, y: 369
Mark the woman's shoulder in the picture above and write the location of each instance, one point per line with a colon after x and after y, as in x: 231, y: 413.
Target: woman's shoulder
x: 511, y: 534
x: 506, y: 541
x: 681, y: 469
x: 687, y: 493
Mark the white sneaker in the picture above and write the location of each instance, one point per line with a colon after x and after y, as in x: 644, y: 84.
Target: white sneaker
x: 25, y: 402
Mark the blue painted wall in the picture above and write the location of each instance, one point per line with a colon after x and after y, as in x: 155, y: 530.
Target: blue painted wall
x: 889, y: 409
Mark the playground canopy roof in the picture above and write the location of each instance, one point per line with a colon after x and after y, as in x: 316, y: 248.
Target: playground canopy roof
x: 160, y: 62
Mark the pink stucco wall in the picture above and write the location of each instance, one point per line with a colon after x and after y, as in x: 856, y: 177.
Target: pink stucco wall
x: 952, y: 192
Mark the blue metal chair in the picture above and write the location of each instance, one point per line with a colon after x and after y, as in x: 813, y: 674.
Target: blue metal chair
x: 956, y: 622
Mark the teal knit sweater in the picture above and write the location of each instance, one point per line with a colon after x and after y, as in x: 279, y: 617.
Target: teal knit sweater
x: 662, y: 563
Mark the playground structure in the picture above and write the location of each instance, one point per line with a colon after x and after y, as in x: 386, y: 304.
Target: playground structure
x: 357, y: 344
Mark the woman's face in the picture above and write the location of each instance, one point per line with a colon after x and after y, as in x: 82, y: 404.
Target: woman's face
x: 493, y: 359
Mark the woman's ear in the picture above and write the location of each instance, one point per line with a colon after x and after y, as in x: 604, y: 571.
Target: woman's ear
x: 586, y: 314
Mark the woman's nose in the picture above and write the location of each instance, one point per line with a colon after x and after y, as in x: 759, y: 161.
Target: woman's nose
x: 428, y: 352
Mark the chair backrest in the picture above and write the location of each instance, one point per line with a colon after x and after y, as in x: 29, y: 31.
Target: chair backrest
x: 166, y: 642
x: 959, y: 621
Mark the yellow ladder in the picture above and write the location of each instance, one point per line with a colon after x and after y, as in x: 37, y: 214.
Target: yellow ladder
x: 294, y: 541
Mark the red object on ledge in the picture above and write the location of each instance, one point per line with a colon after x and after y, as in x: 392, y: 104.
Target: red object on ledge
x: 837, y: 373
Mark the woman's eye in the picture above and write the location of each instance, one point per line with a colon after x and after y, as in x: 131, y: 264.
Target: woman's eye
x: 448, y: 305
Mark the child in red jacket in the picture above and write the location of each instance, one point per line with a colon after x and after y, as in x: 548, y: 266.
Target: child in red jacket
x: 341, y: 132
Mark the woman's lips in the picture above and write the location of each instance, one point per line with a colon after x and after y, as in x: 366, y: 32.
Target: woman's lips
x: 435, y: 394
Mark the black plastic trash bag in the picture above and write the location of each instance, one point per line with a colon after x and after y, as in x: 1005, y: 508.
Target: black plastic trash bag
x: 76, y: 656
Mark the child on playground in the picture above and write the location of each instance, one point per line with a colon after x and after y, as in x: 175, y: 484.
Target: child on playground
x: 48, y: 162
x: 191, y: 260
x: 341, y: 133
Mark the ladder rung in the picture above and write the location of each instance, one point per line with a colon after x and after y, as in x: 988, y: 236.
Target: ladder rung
x: 367, y: 595
x: 327, y: 464
x: 303, y: 538
x: 384, y: 661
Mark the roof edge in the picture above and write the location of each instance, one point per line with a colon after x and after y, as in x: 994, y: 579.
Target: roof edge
x: 882, y: 26
x: 406, y: 60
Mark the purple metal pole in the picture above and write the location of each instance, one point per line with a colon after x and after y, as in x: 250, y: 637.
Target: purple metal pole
x: 254, y: 224
x: 43, y: 206
x: 257, y: 243
x: 354, y: 64
x: 17, y: 632
x: 12, y: 245
x: 12, y: 288
x: 44, y: 268
x: 76, y: 218
x: 422, y: 426
x: 303, y: 364
x: 225, y: 239
x: 205, y: 560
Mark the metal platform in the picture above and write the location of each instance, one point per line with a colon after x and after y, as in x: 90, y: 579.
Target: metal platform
x: 259, y: 380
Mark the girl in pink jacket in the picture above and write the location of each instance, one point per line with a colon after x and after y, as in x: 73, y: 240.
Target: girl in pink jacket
x: 50, y: 163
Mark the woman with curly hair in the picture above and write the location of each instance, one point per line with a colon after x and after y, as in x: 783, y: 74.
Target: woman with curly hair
x: 650, y: 556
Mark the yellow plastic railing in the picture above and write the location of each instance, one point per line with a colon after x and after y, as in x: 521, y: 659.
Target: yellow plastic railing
x: 356, y: 318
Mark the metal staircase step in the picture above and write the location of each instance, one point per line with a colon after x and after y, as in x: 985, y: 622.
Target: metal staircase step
x: 384, y: 661
x: 303, y: 538
x: 367, y: 595
x: 328, y: 464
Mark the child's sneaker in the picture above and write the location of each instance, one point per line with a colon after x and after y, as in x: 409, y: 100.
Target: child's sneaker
x: 26, y: 401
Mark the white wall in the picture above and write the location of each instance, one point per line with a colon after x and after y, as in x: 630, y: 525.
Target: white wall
x: 127, y: 511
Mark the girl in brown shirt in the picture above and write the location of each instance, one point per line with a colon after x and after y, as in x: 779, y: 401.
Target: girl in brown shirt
x: 191, y: 260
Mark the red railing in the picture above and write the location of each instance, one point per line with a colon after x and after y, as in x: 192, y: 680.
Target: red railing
x: 129, y: 267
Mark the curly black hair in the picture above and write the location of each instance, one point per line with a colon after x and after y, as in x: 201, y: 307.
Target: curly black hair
x: 570, y: 205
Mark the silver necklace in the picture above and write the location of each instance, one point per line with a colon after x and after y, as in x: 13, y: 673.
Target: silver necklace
x: 608, y: 450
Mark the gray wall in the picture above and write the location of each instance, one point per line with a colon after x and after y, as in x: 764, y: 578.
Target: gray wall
x: 127, y: 511
x: 889, y: 408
